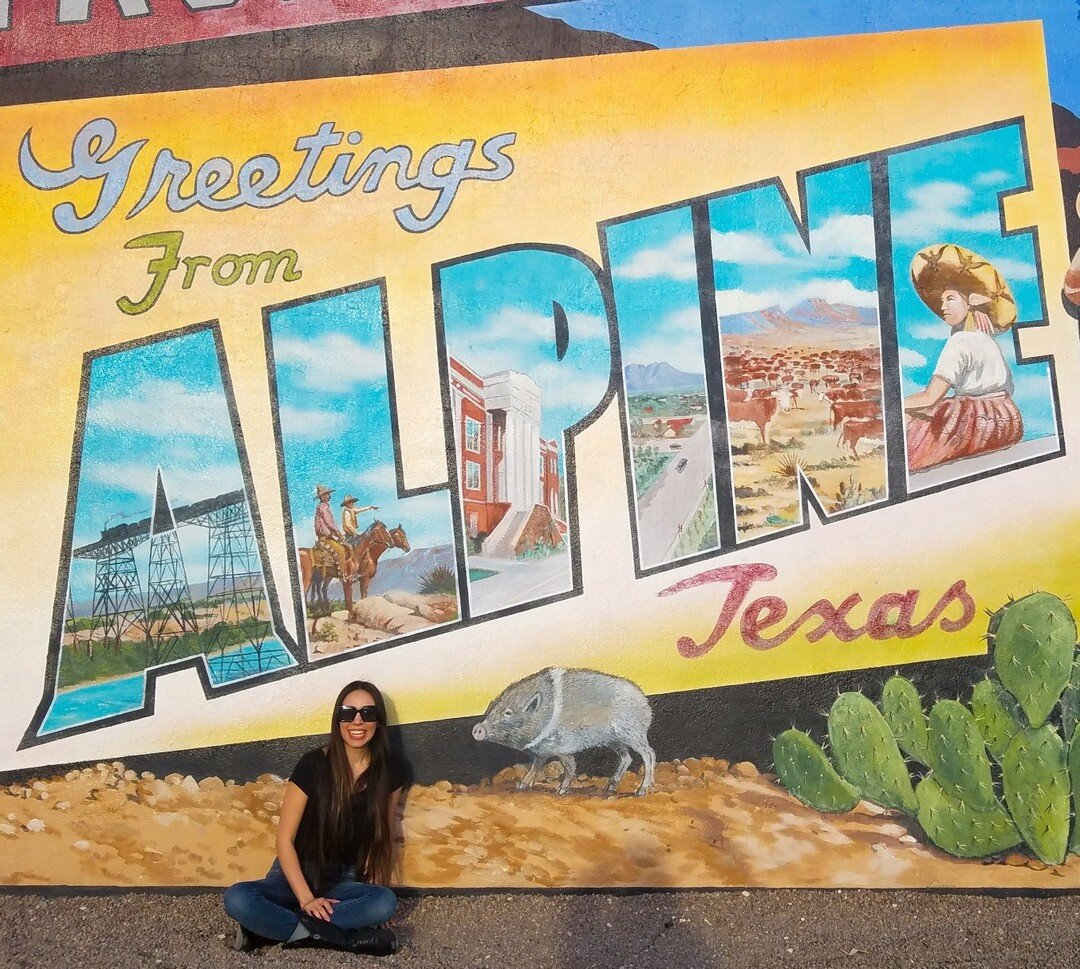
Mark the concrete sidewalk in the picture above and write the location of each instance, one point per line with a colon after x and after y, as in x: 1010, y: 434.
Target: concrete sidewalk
x: 681, y: 929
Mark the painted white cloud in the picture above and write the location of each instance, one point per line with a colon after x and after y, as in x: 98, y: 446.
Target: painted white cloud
x: 747, y: 249
x: 514, y: 324
x: 841, y: 236
x: 911, y: 358
x: 382, y: 477
x: 732, y: 301
x: 333, y: 362
x: 310, y: 424
x: 929, y: 331
x: 934, y: 210
x: 563, y: 386
x: 996, y: 177
x: 183, y: 484
x: 673, y: 261
x: 1013, y: 268
x: 164, y: 409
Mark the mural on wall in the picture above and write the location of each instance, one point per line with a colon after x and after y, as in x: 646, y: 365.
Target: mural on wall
x: 567, y: 401
x: 58, y: 29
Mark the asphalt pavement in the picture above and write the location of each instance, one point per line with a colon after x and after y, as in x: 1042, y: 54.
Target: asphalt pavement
x: 802, y: 929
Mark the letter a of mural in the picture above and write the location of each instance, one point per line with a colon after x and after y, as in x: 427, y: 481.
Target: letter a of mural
x: 679, y: 438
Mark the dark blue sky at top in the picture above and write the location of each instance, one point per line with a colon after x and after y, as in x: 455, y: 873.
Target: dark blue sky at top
x: 691, y: 23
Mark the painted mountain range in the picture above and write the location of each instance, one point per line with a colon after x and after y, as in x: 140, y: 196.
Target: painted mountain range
x: 808, y: 314
x: 404, y: 573
x: 651, y: 378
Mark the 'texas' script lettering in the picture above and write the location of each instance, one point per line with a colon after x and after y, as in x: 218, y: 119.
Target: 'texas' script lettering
x: 890, y: 615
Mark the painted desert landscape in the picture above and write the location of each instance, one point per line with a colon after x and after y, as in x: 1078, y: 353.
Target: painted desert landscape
x: 705, y: 823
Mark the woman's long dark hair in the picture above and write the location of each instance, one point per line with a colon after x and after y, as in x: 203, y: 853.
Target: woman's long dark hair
x: 336, y: 812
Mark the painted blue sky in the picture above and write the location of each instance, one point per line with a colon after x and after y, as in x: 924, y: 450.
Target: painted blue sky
x: 335, y: 417
x: 691, y: 23
x: 760, y: 258
x: 948, y: 193
x: 498, y: 316
x: 654, y: 276
x: 161, y: 404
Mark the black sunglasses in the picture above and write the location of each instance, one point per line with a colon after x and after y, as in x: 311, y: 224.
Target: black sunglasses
x: 367, y: 714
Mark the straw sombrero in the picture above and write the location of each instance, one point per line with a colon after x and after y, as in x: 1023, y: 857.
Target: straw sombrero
x: 941, y: 267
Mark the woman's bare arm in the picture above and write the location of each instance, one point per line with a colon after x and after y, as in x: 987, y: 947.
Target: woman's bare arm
x: 292, y: 810
x: 935, y: 390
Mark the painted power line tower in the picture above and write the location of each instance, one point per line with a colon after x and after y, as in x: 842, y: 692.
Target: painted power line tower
x: 235, y: 589
x: 170, y: 614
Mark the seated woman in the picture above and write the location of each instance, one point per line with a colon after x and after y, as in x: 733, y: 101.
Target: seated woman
x: 334, y: 842
x: 1072, y: 275
x: 980, y: 416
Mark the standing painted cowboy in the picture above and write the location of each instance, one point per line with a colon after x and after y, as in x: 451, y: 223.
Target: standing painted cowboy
x: 350, y: 519
x: 327, y: 535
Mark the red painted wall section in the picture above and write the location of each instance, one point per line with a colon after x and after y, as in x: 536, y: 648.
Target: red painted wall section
x: 33, y: 33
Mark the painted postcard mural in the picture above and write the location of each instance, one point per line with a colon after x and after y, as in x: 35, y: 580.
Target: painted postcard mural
x: 677, y: 437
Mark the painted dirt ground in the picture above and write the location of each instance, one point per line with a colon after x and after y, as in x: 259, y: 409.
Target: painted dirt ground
x: 706, y: 823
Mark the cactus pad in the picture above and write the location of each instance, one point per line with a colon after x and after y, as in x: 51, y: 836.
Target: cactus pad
x: 959, y: 829
x: 806, y: 772
x: 1070, y: 702
x: 1074, y: 781
x: 1036, y: 782
x: 1034, y: 639
x: 867, y: 755
x: 997, y: 716
x: 958, y: 756
x: 902, y: 708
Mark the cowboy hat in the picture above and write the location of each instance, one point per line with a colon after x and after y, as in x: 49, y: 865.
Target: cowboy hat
x: 348, y: 500
x: 321, y: 490
x: 939, y: 268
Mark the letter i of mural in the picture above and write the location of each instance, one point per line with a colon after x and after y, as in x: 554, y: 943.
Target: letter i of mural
x: 679, y: 438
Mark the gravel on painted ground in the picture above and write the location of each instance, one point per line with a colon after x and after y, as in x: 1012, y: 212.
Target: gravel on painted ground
x: 527, y: 931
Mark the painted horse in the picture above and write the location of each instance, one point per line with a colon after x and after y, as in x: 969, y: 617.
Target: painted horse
x: 318, y: 567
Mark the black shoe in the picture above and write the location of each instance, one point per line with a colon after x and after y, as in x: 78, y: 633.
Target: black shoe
x: 377, y: 941
x: 372, y: 942
x: 247, y: 941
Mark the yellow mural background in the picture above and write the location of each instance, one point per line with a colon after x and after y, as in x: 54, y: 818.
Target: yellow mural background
x: 597, y: 138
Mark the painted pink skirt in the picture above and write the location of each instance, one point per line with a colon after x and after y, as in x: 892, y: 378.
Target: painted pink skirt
x: 960, y: 427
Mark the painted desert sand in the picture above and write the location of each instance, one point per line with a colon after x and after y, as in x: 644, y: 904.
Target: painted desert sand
x: 704, y: 824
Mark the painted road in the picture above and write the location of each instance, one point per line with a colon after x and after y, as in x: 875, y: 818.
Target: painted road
x: 674, y: 497
x: 517, y: 581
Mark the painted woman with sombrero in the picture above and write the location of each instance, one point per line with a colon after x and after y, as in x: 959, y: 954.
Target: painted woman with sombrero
x: 979, y: 415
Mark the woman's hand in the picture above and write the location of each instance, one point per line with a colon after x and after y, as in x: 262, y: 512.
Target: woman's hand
x: 320, y: 908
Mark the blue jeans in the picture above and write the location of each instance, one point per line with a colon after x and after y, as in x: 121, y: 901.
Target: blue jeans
x: 269, y: 908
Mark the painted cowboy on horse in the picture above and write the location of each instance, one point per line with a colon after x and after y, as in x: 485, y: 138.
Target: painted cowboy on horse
x: 349, y: 554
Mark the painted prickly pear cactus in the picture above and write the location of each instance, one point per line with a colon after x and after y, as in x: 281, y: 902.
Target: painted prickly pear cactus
x: 994, y: 775
x: 902, y: 708
x: 997, y: 716
x: 807, y: 773
x: 958, y: 755
x: 960, y: 829
x: 867, y: 754
x: 1034, y: 641
x: 1036, y: 782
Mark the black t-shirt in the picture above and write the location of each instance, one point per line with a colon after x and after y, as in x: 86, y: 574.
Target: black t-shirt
x: 312, y: 776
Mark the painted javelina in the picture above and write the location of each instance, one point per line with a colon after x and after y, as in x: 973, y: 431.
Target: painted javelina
x: 557, y: 713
